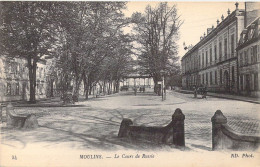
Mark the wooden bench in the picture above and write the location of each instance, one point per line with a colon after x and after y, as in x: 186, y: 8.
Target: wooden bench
x: 21, y: 121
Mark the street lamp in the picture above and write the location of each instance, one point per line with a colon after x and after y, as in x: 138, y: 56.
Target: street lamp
x: 162, y: 72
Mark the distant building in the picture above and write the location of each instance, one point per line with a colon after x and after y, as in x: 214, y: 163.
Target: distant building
x: 249, y: 59
x: 14, y: 79
x: 137, y: 80
x: 213, y: 61
x: 190, y: 69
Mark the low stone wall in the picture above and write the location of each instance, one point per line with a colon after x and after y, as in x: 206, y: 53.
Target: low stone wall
x: 173, y: 133
x: 223, y: 137
x: 14, y: 120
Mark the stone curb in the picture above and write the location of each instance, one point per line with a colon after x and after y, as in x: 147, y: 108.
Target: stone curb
x: 219, y: 96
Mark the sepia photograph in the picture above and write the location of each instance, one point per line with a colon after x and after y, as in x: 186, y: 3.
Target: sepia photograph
x: 129, y: 83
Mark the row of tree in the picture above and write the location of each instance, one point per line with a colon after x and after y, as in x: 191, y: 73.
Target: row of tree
x: 86, y: 40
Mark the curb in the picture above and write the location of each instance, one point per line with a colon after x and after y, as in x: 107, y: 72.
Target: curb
x: 223, y: 97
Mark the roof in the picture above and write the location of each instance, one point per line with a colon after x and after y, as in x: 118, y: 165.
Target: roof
x: 231, y: 17
x: 250, y: 34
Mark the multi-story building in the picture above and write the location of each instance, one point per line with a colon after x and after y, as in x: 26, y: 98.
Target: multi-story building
x: 190, y: 67
x: 216, y: 54
x: 14, y: 79
x: 249, y: 59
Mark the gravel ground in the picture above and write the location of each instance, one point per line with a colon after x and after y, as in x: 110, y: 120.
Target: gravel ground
x: 95, y: 123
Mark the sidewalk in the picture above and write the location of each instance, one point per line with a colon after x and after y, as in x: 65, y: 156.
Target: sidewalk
x: 52, y: 102
x: 226, y: 96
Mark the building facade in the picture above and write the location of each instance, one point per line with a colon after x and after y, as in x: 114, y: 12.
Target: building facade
x: 190, y: 69
x: 249, y: 60
x: 214, y: 59
x: 14, y: 79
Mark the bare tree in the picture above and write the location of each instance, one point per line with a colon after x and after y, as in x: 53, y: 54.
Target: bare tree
x: 157, y: 33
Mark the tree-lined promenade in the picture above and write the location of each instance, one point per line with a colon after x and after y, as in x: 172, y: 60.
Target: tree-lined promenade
x: 95, y: 124
x: 86, y: 42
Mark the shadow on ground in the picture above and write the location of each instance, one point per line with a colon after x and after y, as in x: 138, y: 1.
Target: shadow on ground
x: 88, y: 127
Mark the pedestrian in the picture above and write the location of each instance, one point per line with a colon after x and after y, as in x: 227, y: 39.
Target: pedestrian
x: 204, y: 92
x: 135, y: 90
x: 195, y: 91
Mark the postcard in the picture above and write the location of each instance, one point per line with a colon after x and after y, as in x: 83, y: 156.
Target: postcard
x: 129, y: 83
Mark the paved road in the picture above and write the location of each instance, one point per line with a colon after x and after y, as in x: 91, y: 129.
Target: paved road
x: 94, y: 124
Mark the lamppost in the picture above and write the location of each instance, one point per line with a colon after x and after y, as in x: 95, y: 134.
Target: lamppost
x: 163, y: 91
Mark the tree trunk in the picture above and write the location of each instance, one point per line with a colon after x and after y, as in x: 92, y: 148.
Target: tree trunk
x: 32, y: 79
x: 114, y: 87
x: 86, y: 87
x: 104, y: 88
x: 117, y: 86
x: 52, y: 88
x: 75, y: 91
x: 101, y: 87
x: 89, y: 89
x: 109, y: 87
x: 155, y: 84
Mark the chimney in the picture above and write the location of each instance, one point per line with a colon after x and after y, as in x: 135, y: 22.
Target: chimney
x: 252, y: 11
x: 228, y: 12
x: 217, y: 22
x: 236, y: 5
x: 222, y: 17
x: 201, y: 37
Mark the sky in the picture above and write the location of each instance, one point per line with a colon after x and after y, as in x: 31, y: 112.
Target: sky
x: 197, y: 17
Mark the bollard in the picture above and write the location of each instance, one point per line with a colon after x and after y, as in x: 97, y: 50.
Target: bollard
x: 178, y: 128
x: 124, y: 127
x: 217, y: 120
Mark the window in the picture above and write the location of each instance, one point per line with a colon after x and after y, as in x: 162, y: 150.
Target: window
x: 17, y: 89
x: 40, y: 72
x: 225, y: 48
x: 233, y: 74
x: 12, y: 67
x: 206, y: 78
x: 215, y: 51
x: 241, y: 82
x: 210, y: 55
x: 256, y: 81
x: 202, y: 59
x: 246, y: 57
x: 207, y: 58
x: 232, y: 44
x: 8, y: 89
x: 199, y: 60
x: 203, y: 78
x: 258, y: 52
x: 241, y: 59
x: 220, y: 76
x: 254, y: 55
x: 210, y: 78
x: 216, y: 77
x: 41, y: 89
x: 220, y: 51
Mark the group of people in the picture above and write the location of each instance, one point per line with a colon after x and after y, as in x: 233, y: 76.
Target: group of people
x: 200, y: 90
x: 141, y: 89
